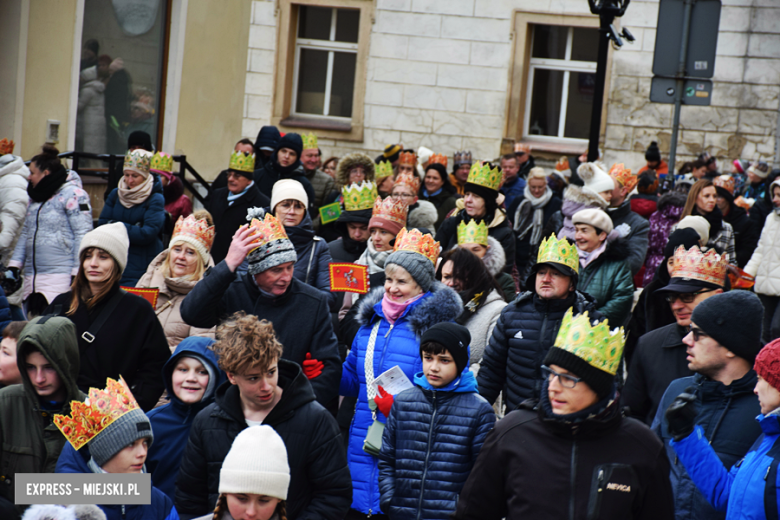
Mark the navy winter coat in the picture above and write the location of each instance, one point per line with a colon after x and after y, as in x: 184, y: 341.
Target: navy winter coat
x: 313, y: 258
x: 431, y: 441
x: 143, y: 222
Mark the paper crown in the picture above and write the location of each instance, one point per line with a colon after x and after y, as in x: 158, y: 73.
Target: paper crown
x: 410, y: 180
x: 438, y: 158
x: 563, y: 164
x: 309, y: 142
x: 358, y: 197
x: 462, y: 157
x: 409, y: 158
x: 138, y: 160
x: 595, y: 344
x: 482, y: 174
x: 267, y: 230
x: 417, y: 242
x: 522, y: 148
x: 709, y: 267
x: 558, y: 252
x: 390, y: 209
x: 194, y: 229
x: 96, y: 413
x: 726, y: 182
x: 242, y: 162
x: 623, y: 175
x: 383, y: 170
x: 6, y: 146
x: 162, y: 161
x: 473, y: 233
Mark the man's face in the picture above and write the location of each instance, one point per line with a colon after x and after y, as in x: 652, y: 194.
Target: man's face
x: 618, y: 195
x: 462, y: 173
x: 258, y: 386
x: 44, y: 377
x: 683, y: 304
x: 277, y: 279
x: 565, y: 400
x: 522, y: 158
x: 236, y: 183
x: 510, y: 169
x: 653, y: 165
x: 551, y: 284
x: 705, y: 355
x: 286, y: 157
x: 358, y: 231
x: 310, y: 159
x: 713, y: 166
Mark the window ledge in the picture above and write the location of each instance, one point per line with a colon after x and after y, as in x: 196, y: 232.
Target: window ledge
x: 316, y: 124
x: 555, y: 147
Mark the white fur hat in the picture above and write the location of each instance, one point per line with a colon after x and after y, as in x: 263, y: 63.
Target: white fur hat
x: 596, y: 180
x: 256, y: 464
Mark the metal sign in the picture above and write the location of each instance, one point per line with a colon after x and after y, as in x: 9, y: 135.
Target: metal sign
x: 702, y: 40
x: 695, y: 91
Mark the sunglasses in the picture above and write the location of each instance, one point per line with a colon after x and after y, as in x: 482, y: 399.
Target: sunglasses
x: 566, y: 380
x: 685, y: 297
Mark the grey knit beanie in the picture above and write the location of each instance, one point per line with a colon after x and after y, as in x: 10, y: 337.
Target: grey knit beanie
x: 420, y: 267
x: 119, y: 434
x: 111, y: 238
x: 271, y: 254
x: 733, y: 319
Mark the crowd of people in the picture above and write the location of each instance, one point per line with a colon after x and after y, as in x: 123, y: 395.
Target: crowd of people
x: 574, y: 342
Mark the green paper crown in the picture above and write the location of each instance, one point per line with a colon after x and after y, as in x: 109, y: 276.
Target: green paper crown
x: 473, y: 233
x: 383, y: 169
x: 558, y: 252
x: 358, y: 197
x: 162, y: 161
x: 309, y: 142
x: 597, y: 345
x: 242, y: 162
x: 482, y: 175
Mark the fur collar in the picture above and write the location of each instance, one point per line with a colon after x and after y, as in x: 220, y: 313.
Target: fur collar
x: 575, y: 193
x: 423, y: 216
x: 443, y: 304
x: 350, y: 160
x: 495, y: 258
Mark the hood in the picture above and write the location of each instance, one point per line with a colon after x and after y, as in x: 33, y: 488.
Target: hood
x: 13, y: 164
x: 72, y: 179
x: 198, y: 348
x: 463, y: 384
x: 495, y: 258
x: 574, y: 193
x: 350, y: 160
x: 423, y: 216
x: 770, y: 423
x: 671, y: 200
x: 174, y: 190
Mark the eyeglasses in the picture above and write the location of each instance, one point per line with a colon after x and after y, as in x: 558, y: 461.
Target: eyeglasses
x: 697, y: 333
x: 566, y: 380
x: 403, y: 195
x: 685, y: 297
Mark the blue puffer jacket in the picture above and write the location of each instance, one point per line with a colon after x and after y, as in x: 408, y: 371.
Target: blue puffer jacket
x: 143, y: 222
x: 171, y: 423
x: 397, y: 344
x: 313, y: 258
x: 750, y: 490
x: 161, y: 508
x: 430, y: 444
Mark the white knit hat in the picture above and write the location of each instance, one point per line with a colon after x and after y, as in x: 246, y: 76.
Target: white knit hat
x: 698, y: 224
x: 111, y: 238
x: 285, y: 189
x: 596, y: 180
x: 256, y: 464
x: 594, y: 217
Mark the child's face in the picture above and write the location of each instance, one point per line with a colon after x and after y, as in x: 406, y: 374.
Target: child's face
x: 9, y: 371
x: 189, y: 380
x: 259, y: 387
x: 129, y: 459
x: 244, y: 506
x: 439, y: 369
x: 44, y: 377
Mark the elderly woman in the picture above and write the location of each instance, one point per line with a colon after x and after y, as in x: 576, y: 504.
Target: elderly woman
x: 393, y: 318
x: 422, y: 214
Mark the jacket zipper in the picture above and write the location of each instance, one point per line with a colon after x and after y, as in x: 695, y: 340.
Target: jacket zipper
x: 123, y: 511
x: 35, y: 238
x: 573, y: 477
x: 427, y: 455
x: 538, y: 384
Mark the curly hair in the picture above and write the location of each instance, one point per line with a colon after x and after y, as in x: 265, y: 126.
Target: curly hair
x: 245, y: 342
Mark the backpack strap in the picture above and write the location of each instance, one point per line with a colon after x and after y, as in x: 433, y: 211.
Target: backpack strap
x: 89, y: 334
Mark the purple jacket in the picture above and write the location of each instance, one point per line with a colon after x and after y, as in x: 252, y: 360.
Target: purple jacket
x: 575, y: 199
x: 670, y: 207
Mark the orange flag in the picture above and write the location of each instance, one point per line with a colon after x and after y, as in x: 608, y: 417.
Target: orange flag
x: 346, y: 277
x: 149, y: 295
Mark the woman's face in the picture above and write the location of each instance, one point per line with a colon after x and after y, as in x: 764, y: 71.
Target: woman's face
x: 245, y: 506
x: 477, y: 249
x: 768, y: 396
x: 433, y: 181
x: 98, y: 265
x: 399, y: 284
x: 286, y: 157
x: 381, y: 239
x: 129, y: 459
x: 586, y: 237
x: 290, y: 212
x: 776, y: 196
x: 698, y: 173
x: 330, y: 169
x: 606, y: 195
x: 404, y: 193
x: 448, y: 277
x: 183, y: 260
x: 475, y: 205
x: 357, y: 174
x: 707, y: 199
x: 386, y: 185
x: 133, y: 179
x: 537, y: 187
x: 36, y: 174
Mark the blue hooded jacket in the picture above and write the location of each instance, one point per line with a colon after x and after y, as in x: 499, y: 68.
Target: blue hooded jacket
x: 171, y: 423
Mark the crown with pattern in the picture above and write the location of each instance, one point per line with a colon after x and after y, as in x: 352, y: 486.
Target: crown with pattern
x: 417, y: 242
x: 242, y: 162
x: 267, y: 230
x: 522, y: 148
x: 195, y: 232
x: 410, y: 180
x: 562, y: 164
x: 462, y: 157
x: 358, y: 197
x: 390, y: 209
x: 383, y: 170
x: 162, y: 161
x: 482, y: 174
x: 623, y: 175
x: 473, y: 233
x: 96, y: 413
x: 309, y: 142
x: 6, y: 146
x: 709, y: 267
x: 558, y: 252
x: 725, y: 181
x: 438, y: 158
x: 409, y: 158
x: 138, y: 161
x: 595, y: 344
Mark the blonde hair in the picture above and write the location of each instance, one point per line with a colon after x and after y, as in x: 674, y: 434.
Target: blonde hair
x: 200, y: 267
x: 536, y: 173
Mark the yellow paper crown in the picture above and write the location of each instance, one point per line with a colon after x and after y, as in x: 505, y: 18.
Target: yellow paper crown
x: 162, y: 161
x: 410, y: 180
x: 595, y: 344
x: 267, y: 230
x: 6, y: 146
x: 198, y: 230
x: 390, y: 209
x: 409, y: 158
x: 558, y: 252
x: 358, y: 197
x: 309, y: 142
x: 138, y: 160
x: 101, y: 408
x: 417, y: 242
x: 382, y: 170
x: 709, y: 267
x: 482, y: 174
x: 623, y: 175
x: 473, y: 233
x: 242, y: 162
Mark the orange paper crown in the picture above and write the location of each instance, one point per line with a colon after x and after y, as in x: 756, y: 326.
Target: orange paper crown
x: 96, y: 413
x: 709, y: 267
x: 390, y: 209
x: 6, y: 146
x: 417, y: 242
x: 267, y: 230
x: 522, y: 148
x: 412, y: 181
x: 438, y: 158
x: 623, y: 175
x: 726, y: 182
x: 197, y: 230
x: 408, y: 158
x: 562, y: 164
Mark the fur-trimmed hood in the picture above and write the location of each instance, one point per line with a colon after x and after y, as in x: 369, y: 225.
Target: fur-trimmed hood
x: 577, y: 194
x: 673, y: 198
x: 423, y: 216
x: 350, y: 160
x: 443, y: 304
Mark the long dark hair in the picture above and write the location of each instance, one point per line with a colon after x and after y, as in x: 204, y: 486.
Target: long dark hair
x: 80, y: 287
x: 690, y: 203
x: 471, y: 272
x: 442, y: 171
x: 48, y: 159
x: 221, y: 508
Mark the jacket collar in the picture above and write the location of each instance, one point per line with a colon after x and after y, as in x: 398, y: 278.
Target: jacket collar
x: 770, y: 424
x: 674, y: 336
x: 711, y: 390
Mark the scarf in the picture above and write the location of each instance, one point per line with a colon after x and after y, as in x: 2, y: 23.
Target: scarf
x: 586, y: 258
x: 714, y: 217
x: 426, y: 194
x: 375, y: 260
x: 129, y: 197
x: 48, y: 186
x: 529, y: 216
x: 393, y: 310
x: 232, y: 197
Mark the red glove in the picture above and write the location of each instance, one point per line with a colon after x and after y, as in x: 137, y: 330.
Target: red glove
x: 384, y: 401
x: 312, y: 367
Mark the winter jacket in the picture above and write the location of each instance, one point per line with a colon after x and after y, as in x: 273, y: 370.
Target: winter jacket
x: 670, y: 207
x: 13, y: 208
x: 161, y: 507
x: 144, y: 222
x: 48, y: 248
x: 444, y: 201
x: 726, y: 416
x: 422, y: 214
x: 171, y: 423
x: 176, y: 202
x: 750, y: 489
x: 300, y: 316
x: 430, y: 443
x: 638, y: 237
x: 313, y: 259
x: 513, y: 190
x: 266, y: 177
x: 399, y: 345
x: 608, y: 279
x: 764, y: 264
x: 644, y: 205
x: 746, y: 234
x: 91, y: 126
x: 525, y: 253
x: 592, y: 464
x: 574, y: 199
x: 172, y: 293
x: 319, y: 478
x: 131, y: 343
x: 481, y: 324
x: 660, y: 358
x: 344, y: 249
x: 30, y: 441
x: 524, y: 333
x: 322, y: 184
x: 5, y: 312
x: 229, y: 217
x: 495, y: 260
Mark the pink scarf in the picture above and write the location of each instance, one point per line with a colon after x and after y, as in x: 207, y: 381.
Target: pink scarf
x: 393, y: 310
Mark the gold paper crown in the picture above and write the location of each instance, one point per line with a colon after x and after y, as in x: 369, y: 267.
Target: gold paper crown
x: 96, y: 413
x: 623, y: 175
x: 199, y: 230
x: 597, y: 345
x: 417, y: 242
x: 709, y: 267
x: 462, y: 157
x: 558, y: 252
x: 138, y: 160
x: 267, y: 230
x: 409, y: 158
x: 358, y: 197
x: 562, y: 164
x: 390, y: 209
x: 6, y: 146
x: 482, y: 174
x: 309, y: 142
x: 162, y: 161
x: 438, y: 158
x: 473, y: 233
x: 242, y: 162
x: 726, y: 182
x: 411, y: 180
x: 383, y: 170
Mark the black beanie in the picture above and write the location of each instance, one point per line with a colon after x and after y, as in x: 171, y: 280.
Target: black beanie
x: 599, y: 381
x: 653, y: 153
x: 140, y: 138
x: 292, y: 141
x: 486, y: 193
x: 455, y: 338
x: 734, y: 320
x: 686, y: 237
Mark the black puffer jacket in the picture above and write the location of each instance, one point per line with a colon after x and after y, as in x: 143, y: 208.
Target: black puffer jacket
x: 524, y: 333
x: 498, y: 228
x: 320, y: 486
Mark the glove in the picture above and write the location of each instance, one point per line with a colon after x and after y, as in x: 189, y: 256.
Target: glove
x: 384, y: 401
x: 11, y: 280
x: 312, y: 367
x: 681, y: 414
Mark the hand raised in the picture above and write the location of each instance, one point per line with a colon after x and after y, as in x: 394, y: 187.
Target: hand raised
x: 240, y: 246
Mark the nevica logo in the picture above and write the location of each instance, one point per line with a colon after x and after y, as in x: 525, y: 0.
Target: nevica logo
x: 614, y: 486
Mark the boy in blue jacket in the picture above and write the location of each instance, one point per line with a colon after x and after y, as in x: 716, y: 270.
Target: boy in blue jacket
x: 434, y: 431
x: 191, y: 376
